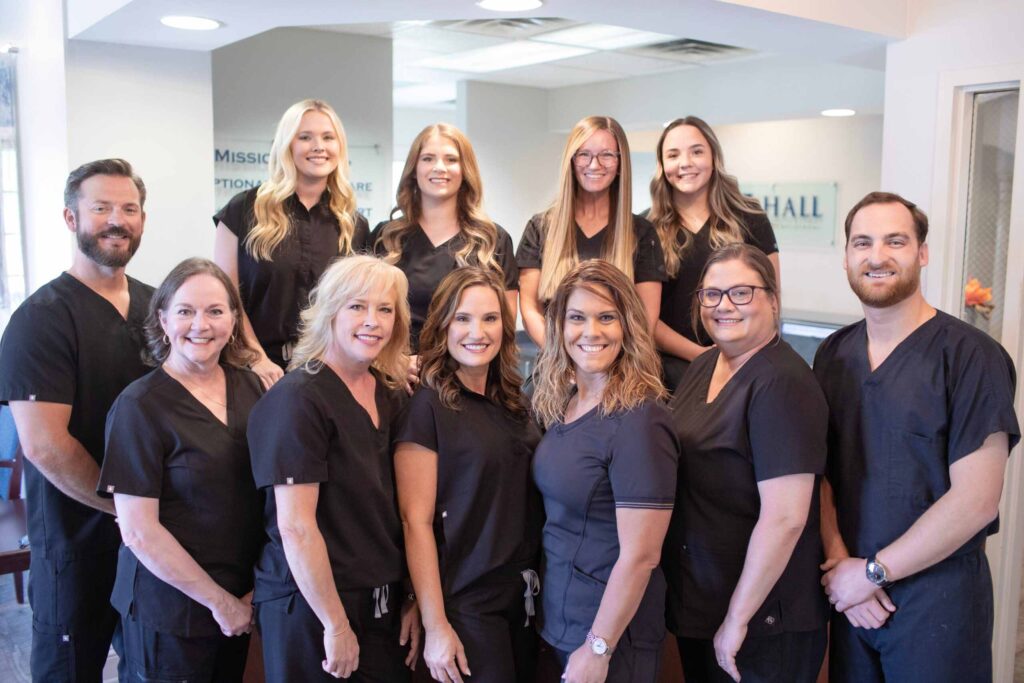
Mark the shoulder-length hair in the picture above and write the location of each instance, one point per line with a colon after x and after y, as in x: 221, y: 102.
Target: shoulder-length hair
x: 480, y: 232
x: 635, y: 376
x: 235, y: 352
x: 751, y: 257
x: 346, y: 279
x: 725, y: 201
x: 272, y: 222
x: 560, y: 253
x: 437, y: 367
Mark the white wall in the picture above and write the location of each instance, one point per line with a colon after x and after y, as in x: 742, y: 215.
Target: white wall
x: 153, y: 107
x: 256, y: 79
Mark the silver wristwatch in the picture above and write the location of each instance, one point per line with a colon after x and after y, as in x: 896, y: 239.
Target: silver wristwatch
x: 876, y: 572
x: 598, y: 645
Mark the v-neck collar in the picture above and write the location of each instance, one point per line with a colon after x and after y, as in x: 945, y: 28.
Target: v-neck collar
x: 229, y: 397
x: 706, y: 381
x: 436, y: 247
x: 132, y: 308
x: 378, y: 397
x: 903, y: 348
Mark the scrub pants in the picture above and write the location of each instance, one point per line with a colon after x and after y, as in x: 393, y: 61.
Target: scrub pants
x: 154, y: 657
x: 490, y: 620
x: 789, y: 657
x: 293, y: 638
x: 941, y: 631
x: 73, y: 622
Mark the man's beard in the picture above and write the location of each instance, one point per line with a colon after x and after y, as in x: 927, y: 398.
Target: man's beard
x: 89, y: 244
x: 904, y: 286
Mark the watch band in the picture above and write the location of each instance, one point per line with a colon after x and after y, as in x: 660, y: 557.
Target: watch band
x: 598, y: 645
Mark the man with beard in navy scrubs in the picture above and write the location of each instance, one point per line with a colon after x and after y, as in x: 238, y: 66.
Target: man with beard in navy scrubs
x: 921, y: 424
x: 66, y: 354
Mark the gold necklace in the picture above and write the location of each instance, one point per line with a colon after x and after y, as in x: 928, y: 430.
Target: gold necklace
x: 195, y: 389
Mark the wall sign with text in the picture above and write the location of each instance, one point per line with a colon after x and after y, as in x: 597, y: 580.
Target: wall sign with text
x: 802, y: 214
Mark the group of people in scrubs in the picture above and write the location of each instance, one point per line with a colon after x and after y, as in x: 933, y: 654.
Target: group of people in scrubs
x: 323, y: 435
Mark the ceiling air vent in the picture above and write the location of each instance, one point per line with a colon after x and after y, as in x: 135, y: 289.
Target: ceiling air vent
x: 511, y: 28
x: 692, y: 51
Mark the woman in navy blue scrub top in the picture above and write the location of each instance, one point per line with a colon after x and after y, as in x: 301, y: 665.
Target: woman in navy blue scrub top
x: 606, y: 469
x: 443, y: 225
x: 471, y: 514
x: 177, y: 466
x: 276, y: 240
x: 591, y: 217
x: 330, y: 600
x: 696, y: 207
x: 744, y: 547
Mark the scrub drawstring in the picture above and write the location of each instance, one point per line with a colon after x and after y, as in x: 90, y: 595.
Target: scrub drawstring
x: 380, y: 601
x: 532, y: 589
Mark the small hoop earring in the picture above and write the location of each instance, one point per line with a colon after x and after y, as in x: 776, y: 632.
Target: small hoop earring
x: 167, y: 340
x: 231, y: 340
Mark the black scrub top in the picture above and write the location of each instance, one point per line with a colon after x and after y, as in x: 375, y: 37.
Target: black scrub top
x: 585, y: 470
x: 677, y: 293
x: 426, y: 265
x: 67, y: 344
x: 487, y: 514
x: 648, y: 260
x: 768, y: 421
x: 163, y: 443
x: 894, y: 432
x: 310, y: 429
x: 275, y: 292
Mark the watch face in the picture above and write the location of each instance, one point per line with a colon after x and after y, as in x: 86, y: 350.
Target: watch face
x: 599, y: 646
x: 876, y: 574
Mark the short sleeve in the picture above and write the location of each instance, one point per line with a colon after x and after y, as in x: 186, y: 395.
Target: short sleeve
x: 645, y: 459
x: 760, y: 233
x: 38, y: 356
x: 289, y: 436
x: 981, y: 397
x: 648, y: 260
x: 787, y: 422
x: 134, y: 459
x: 531, y: 244
x: 506, y: 259
x: 238, y: 214
x: 418, y: 423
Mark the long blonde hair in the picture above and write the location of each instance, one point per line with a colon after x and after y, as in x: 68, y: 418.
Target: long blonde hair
x: 725, y: 201
x: 345, y: 279
x: 560, y: 253
x: 272, y: 222
x: 634, y: 377
x: 480, y: 232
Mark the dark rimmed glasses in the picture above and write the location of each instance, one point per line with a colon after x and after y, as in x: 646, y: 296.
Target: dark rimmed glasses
x: 606, y: 158
x: 740, y: 295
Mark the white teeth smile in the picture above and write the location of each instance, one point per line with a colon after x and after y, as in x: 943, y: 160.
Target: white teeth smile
x: 367, y: 338
x: 878, y: 275
x: 591, y: 348
x: 475, y: 347
x: 199, y: 340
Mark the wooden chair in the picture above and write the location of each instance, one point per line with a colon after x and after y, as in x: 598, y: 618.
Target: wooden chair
x: 14, y: 550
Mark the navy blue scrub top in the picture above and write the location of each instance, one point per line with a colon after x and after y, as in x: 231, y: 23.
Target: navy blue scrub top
x: 894, y: 432
x: 487, y: 515
x: 163, y: 443
x: 67, y: 344
x: 426, y: 265
x: 310, y: 429
x: 768, y: 421
x: 585, y: 470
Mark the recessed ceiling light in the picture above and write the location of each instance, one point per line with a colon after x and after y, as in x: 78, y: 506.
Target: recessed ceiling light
x: 602, y: 37
x: 190, y: 23
x: 836, y: 113
x: 509, y: 5
x: 504, y: 56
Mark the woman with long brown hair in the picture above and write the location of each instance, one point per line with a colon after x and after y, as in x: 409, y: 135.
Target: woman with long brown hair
x: 606, y: 469
x: 590, y: 218
x: 469, y: 508
x: 696, y: 207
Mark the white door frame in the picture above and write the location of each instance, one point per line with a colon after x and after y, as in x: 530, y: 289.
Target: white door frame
x: 948, y: 218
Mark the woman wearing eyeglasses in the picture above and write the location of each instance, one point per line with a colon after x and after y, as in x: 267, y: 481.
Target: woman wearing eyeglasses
x: 696, y: 207
x: 591, y: 218
x: 744, y: 537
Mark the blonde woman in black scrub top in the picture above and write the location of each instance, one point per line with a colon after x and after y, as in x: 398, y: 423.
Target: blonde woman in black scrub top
x: 590, y: 218
x: 696, y: 207
x: 276, y: 240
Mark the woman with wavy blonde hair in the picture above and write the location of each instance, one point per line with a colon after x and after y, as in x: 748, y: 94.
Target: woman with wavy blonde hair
x: 463, y: 466
x: 606, y: 469
x: 329, y: 594
x: 591, y: 218
x: 275, y: 241
x: 442, y: 225
x: 696, y: 207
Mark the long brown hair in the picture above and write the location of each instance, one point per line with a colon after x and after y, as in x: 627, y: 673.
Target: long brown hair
x: 437, y: 367
x: 480, y: 232
x: 634, y: 377
x: 727, y: 204
x: 560, y: 253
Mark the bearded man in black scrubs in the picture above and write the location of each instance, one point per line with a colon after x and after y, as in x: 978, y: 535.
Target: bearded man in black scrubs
x: 921, y: 424
x: 66, y: 354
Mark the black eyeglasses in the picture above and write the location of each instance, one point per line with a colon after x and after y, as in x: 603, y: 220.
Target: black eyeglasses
x: 605, y: 158
x: 739, y: 295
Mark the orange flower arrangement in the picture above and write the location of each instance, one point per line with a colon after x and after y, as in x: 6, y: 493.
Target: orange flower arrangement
x: 978, y: 298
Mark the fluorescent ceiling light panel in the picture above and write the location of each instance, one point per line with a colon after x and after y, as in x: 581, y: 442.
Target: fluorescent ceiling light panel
x: 190, y: 23
x: 837, y: 113
x: 603, y: 37
x: 505, y: 56
x: 423, y: 94
x: 509, y: 5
